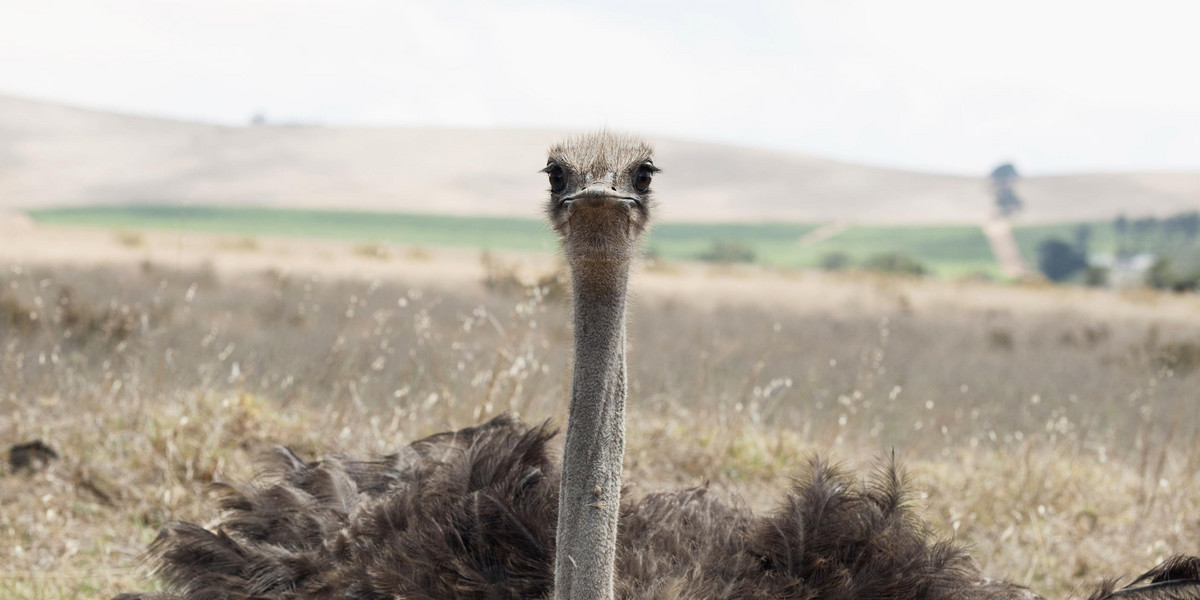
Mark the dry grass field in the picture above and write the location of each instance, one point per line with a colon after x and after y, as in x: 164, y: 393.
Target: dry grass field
x: 1054, y: 430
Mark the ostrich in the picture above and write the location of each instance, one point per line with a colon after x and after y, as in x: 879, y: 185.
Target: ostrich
x: 485, y: 513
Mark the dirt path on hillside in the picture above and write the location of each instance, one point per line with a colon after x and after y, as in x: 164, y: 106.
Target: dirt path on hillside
x: 823, y: 233
x: 1000, y: 237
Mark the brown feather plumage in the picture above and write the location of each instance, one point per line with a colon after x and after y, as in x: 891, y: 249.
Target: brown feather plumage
x: 471, y: 515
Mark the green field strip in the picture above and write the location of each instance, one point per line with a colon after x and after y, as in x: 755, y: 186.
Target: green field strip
x: 947, y: 251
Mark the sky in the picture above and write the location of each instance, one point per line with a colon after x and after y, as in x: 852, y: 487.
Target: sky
x: 932, y: 85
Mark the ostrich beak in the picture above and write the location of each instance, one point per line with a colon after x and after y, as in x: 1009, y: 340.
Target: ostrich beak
x: 599, y: 195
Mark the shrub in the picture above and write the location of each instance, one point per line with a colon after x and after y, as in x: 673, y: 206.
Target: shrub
x: 16, y: 317
x: 1165, y: 275
x: 1000, y: 338
x: 835, y: 261
x: 1182, y: 357
x: 1059, y: 260
x: 894, y: 262
x: 418, y: 253
x: 129, y: 239
x: 1095, y: 276
x: 728, y: 251
x: 373, y: 250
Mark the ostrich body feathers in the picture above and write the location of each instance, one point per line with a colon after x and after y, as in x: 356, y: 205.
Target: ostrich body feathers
x: 471, y: 515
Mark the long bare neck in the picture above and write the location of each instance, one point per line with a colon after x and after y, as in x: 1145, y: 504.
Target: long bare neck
x: 591, y: 484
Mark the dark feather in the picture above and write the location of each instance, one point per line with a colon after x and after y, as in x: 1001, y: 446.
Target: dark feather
x: 1177, y: 578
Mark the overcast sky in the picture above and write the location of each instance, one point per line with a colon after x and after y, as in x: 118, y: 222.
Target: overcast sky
x: 937, y: 85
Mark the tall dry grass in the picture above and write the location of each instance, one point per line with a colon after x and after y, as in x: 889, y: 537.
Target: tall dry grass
x: 1062, y: 445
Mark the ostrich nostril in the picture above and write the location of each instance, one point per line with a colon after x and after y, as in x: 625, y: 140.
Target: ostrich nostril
x: 614, y: 188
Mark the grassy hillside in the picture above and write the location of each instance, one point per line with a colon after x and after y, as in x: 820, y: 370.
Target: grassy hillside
x: 58, y: 155
x: 416, y: 229
x: 947, y: 250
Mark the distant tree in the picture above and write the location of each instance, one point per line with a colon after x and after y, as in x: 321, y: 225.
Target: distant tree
x: 1059, y: 260
x: 894, y: 262
x: 1143, y: 231
x: 1190, y: 224
x: 1180, y: 273
x: 1095, y: 276
x: 1003, y: 178
x: 1121, y: 227
x: 1005, y: 173
x: 1159, y: 273
x: 1083, y: 239
x: 1185, y: 225
x: 1007, y: 202
x: 728, y: 251
x: 835, y: 261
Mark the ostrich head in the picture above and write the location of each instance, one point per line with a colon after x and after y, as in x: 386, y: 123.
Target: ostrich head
x: 600, y: 200
x: 600, y: 207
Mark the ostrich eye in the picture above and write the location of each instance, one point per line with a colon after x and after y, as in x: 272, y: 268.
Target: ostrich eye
x: 642, y: 177
x: 558, y: 179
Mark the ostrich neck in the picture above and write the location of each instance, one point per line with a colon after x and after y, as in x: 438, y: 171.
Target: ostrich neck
x: 591, y: 474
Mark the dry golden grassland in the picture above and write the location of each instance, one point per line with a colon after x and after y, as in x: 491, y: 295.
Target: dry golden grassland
x: 1056, y: 431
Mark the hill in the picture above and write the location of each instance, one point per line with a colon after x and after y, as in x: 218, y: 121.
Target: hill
x: 52, y: 155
